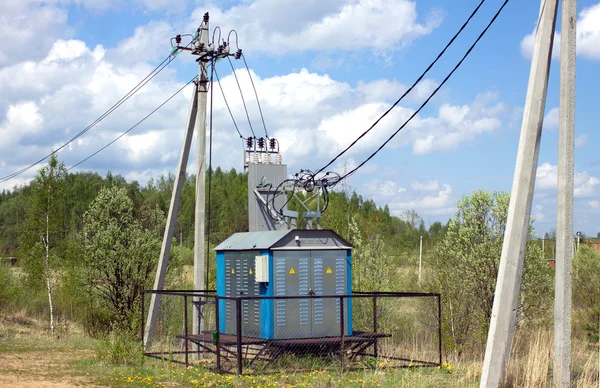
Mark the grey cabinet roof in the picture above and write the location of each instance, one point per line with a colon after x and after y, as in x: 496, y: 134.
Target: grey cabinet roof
x: 284, y: 240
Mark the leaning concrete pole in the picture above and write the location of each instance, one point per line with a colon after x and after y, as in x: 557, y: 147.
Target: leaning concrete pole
x: 564, y: 201
x: 199, y: 258
x: 510, y: 272
x: 165, y: 250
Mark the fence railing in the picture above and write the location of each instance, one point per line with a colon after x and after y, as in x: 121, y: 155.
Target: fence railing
x: 246, y: 334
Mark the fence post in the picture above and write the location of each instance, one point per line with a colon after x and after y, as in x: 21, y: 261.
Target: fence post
x: 439, y: 300
x: 375, y: 347
x: 342, y: 332
x: 143, y: 313
x: 238, y: 325
x: 185, y: 328
x: 218, y: 342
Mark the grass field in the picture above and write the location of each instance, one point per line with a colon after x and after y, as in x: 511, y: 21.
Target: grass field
x: 29, y: 357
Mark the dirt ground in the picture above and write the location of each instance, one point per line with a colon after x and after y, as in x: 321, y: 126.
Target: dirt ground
x: 40, y: 369
x: 27, y: 363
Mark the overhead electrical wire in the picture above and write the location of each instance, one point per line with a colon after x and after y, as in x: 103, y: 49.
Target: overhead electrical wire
x: 308, y: 181
x: 432, y: 94
x: 227, y: 104
x: 418, y: 80
x: 242, y: 95
x: 132, y: 127
x: 256, y: 95
x: 160, y: 67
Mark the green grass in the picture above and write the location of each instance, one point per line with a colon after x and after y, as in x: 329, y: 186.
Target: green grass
x: 29, y: 346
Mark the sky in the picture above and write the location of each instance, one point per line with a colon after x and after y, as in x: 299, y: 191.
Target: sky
x: 323, y: 71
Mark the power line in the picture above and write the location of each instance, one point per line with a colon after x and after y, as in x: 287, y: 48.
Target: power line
x: 131, y: 128
x: 123, y: 99
x: 242, y: 95
x: 432, y: 94
x: 460, y: 30
x: 227, y: 104
x: 256, y: 94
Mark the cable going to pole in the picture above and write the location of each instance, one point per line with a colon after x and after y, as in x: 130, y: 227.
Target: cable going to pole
x: 242, y: 95
x: 417, y: 81
x: 432, y: 94
x: 116, y: 105
x: 132, y: 127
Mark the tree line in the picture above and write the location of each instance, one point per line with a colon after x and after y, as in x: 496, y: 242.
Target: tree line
x: 88, y: 245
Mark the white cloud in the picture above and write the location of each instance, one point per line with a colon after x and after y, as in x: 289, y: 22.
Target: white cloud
x: 582, y: 140
x: 427, y: 198
x: 280, y: 26
x: 551, y: 119
x: 547, y: 179
x: 588, y: 36
x: 425, y: 186
x: 594, y: 204
x: 29, y: 28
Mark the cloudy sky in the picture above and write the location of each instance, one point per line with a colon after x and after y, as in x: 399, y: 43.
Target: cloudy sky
x: 324, y: 71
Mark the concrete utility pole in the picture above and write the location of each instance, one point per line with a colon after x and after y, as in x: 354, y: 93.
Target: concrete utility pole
x: 165, y: 250
x: 510, y: 272
x: 199, y: 258
x: 564, y: 201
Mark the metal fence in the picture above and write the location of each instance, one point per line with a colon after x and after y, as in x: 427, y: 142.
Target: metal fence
x: 258, y: 334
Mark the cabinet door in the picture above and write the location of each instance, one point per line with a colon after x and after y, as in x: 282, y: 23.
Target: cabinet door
x: 329, y: 278
x: 292, y: 278
x: 232, y: 286
x: 250, y: 308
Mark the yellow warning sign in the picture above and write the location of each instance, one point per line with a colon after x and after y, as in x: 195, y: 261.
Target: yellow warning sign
x: 329, y: 270
x: 292, y: 271
x: 232, y: 270
x: 250, y: 271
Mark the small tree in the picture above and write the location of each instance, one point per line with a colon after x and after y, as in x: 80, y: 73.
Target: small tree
x: 43, y: 235
x: 120, y: 255
x: 466, y: 269
x: 586, y: 289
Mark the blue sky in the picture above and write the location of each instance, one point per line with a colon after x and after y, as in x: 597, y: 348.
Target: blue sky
x: 323, y: 70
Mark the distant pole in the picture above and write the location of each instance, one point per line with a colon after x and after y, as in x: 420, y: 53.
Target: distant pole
x: 564, y: 202
x: 420, y: 257
x: 543, y: 249
x: 510, y: 272
x: 199, y: 258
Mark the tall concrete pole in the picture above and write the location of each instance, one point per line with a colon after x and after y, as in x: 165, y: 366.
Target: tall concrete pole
x: 564, y: 202
x: 165, y: 250
x: 199, y: 258
x: 510, y: 272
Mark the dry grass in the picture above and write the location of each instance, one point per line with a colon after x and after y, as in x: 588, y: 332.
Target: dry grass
x: 532, y: 358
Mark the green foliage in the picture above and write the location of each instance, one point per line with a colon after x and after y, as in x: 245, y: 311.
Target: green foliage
x: 119, y: 255
x: 466, y: 270
x: 586, y: 289
x: 10, y: 292
x: 120, y: 348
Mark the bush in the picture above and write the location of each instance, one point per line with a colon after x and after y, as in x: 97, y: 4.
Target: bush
x: 586, y: 290
x: 9, y: 292
x: 120, y: 348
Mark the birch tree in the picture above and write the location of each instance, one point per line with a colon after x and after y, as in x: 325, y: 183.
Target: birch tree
x: 42, y: 239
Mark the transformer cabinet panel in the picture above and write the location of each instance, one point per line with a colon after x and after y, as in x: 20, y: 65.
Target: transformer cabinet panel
x: 292, y: 278
x: 329, y: 278
x: 239, y: 281
x: 309, y: 273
